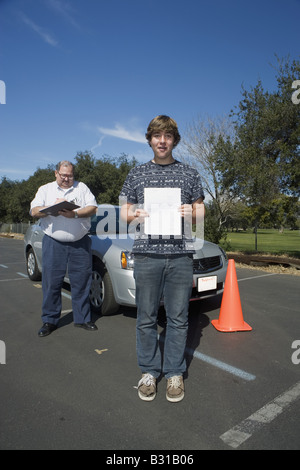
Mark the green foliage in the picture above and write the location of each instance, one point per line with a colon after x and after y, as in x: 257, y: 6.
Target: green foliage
x: 269, y: 241
x: 213, y: 230
x: 260, y: 164
x: 263, y: 160
x: 104, y: 177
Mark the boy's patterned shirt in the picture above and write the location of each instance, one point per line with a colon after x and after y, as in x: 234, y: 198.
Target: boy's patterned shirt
x: 152, y: 175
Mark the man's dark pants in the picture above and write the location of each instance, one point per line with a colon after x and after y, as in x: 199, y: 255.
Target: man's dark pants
x: 58, y: 257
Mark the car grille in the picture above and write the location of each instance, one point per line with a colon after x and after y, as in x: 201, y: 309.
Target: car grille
x: 204, y: 265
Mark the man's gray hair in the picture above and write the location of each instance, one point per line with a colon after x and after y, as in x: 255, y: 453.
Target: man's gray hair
x: 64, y: 163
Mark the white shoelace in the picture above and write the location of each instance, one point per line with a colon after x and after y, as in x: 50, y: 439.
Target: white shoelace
x: 147, y: 380
x: 175, y: 381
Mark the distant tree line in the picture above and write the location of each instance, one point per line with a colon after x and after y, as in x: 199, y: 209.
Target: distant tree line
x: 103, y: 176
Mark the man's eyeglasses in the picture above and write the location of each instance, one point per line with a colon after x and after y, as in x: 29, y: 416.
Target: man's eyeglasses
x: 70, y: 177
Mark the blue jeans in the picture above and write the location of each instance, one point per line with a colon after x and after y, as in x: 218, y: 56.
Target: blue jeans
x: 172, y: 278
x: 57, y: 258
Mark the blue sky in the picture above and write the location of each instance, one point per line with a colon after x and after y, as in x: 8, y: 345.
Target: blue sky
x: 91, y: 74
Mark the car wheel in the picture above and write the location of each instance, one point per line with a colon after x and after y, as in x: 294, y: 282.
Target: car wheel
x: 33, y: 271
x: 102, y: 297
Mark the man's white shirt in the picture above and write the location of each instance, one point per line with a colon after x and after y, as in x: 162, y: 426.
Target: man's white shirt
x: 62, y: 228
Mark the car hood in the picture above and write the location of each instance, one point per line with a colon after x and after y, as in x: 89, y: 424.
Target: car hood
x: 203, y: 248
x: 206, y: 249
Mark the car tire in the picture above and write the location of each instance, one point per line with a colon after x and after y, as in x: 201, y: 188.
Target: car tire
x: 102, y: 297
x: 33, y: 271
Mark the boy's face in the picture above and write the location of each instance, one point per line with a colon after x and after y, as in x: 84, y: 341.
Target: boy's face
x: 162, y: 144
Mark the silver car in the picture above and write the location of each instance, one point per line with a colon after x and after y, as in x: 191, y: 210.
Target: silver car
x: 113, y: 283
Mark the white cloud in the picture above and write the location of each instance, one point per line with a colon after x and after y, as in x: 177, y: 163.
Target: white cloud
x: 98, y: 144
x: 121, y: 133
x: 64, y: 9
x: 39, y: 30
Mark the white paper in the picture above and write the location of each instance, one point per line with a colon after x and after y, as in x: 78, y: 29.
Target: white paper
x: 162, y: 205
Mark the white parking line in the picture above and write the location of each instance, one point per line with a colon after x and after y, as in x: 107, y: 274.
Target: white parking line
x: 241, y: 432
x: 256, y: 277
x: 24, y: 276
x: 3, y: 266
x: 222, y: 365
x: 216, y: 363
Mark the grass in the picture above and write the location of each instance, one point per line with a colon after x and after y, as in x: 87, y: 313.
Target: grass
x: 268, y: 241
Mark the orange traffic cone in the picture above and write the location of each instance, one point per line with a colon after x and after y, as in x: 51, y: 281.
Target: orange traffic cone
x: 231, y: 315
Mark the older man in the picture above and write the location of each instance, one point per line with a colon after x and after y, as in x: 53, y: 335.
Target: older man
x: 65, y: 245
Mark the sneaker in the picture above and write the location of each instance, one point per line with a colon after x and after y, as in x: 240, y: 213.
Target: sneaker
x: 175, y: 388
x: 147, y: 387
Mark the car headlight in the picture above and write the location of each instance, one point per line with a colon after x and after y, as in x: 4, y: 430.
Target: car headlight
x: 127, y: 260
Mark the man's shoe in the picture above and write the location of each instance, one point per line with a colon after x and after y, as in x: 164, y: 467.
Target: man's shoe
x: 147, y: 387
x: 46, y: 329
x: 90, y: 326
x: 175, y: 388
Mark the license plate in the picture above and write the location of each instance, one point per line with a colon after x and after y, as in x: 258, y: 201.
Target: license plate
x: 207, y: 283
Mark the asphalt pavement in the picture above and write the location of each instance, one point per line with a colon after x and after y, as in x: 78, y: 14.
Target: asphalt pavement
x: 77, y: 389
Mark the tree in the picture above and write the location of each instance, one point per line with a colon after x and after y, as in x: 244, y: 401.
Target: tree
x: 266, y: 150
x: 286, y: 122
x: 6, y: 188
x: 85, y: 170
x: 263, y: 161
x: 198, y: 147
x: 283, y: 212
x: 213, y: 230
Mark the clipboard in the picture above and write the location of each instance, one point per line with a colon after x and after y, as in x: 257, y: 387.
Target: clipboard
x: 53, y: 210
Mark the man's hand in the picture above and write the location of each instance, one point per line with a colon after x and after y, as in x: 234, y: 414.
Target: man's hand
x: 67, y: 214
x: 138, y: 213
x: 186, y: 211
x: 133, y: 213
x: 86, y: 211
